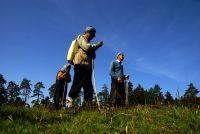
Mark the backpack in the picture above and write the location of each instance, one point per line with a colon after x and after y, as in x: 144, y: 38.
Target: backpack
x: 72, y: 50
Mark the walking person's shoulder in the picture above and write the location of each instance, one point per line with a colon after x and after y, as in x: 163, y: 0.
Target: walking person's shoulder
x: 113, y: 63
x: 79, y: 37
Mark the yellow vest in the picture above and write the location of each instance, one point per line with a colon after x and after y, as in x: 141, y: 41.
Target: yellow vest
x: 72, y: 50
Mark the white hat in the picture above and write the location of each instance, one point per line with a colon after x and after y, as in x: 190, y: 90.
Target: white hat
x: 120, y: 53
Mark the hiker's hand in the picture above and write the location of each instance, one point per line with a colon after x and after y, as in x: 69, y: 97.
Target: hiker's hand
x: 126, y: 77
x: 64, y: 75
x: 100, y: 43
x: 119, y: 80
x: 96, y: 46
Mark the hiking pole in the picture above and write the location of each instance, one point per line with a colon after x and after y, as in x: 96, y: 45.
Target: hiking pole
x: 63, y: 96
x: 126, y: 89
x: 94, y: 82
x: 65, y: 86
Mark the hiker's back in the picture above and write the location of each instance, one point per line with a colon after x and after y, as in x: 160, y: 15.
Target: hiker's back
x: 72, y: 51
x: 79, y: 56
x: 83, y: 57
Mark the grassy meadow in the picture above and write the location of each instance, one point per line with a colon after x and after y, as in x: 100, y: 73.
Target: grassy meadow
x: 133, y: 120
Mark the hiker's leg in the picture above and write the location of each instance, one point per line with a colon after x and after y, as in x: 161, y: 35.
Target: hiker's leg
x: 65, y: 94
x: 113, y: 92
x: 88, y: 87
x: 122, y: 94
x: 77, y: 82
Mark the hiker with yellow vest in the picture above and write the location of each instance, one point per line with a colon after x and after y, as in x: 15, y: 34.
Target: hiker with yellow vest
x: 81, y: 54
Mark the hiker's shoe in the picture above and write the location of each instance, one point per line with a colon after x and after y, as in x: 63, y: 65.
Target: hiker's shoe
x: 70, y: 102
x: 76, y: 107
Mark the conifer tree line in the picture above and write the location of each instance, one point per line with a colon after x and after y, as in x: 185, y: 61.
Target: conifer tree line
x: 12, y: 93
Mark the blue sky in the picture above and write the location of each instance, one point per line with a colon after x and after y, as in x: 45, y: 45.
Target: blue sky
x: 160, y: 39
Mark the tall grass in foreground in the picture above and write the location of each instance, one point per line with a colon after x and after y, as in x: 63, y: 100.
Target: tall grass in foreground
x: 139, y: 119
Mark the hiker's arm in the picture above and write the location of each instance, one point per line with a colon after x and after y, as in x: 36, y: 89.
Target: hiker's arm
x: 94, y: 47
x: 61, y: 75
x: 88, y: 46
x: 112, y: 72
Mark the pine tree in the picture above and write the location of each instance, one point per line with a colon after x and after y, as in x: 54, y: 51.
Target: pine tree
x: 155, y: 96
x: 191, y: 92
x: 38, y: 93
x: 3, y: 93
x: 168, y: 98
x: 45, y: 101
x: 52, y: 90
x: 138, y: 95
x: 190, y: 97
x: 25, y: 86
x: 104, y: 94
x: 13, y: 91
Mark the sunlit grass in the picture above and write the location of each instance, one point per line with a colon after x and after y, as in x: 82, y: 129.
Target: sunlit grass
x: 138, y: 119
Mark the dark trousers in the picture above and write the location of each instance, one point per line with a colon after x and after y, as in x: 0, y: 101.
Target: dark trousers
x: 117, y: 94
x: 60, y: 95
x: 82, y: 78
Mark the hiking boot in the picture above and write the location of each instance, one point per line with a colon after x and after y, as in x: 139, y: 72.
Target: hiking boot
x: 70, y: 102
x: 76, y: 107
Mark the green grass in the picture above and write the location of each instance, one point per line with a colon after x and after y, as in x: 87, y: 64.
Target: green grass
x: 139, y: 119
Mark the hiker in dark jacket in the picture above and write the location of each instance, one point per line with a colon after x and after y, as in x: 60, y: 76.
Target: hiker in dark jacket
x: 83, y: 66
x: 117, y: 94
x: 62, y: 79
